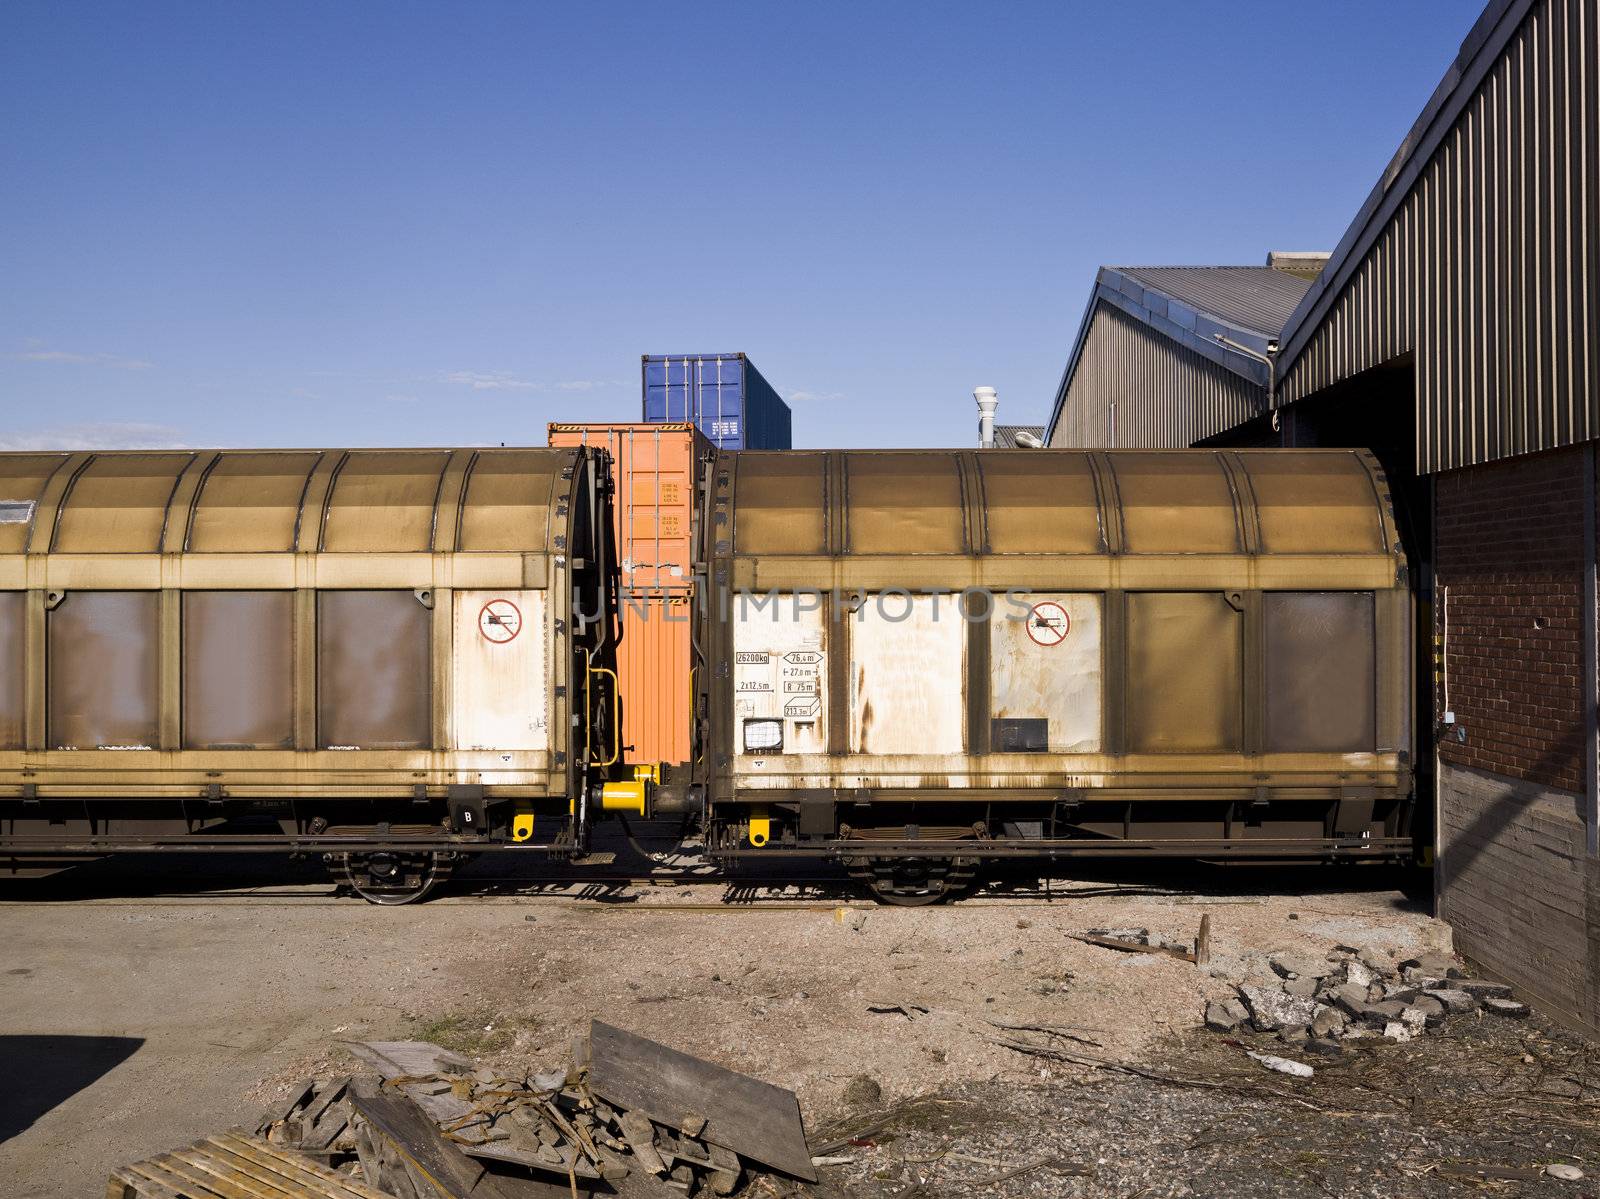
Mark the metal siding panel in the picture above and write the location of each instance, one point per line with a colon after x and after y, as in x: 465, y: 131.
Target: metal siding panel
x: 1321, y: 672
x: 373, y: 671
x: 238, y: 670
x: 501, y: 684
x: 101, y: 658
x: 13, y: 678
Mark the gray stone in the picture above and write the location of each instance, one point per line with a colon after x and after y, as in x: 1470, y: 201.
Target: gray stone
x: 1496, y: 1006
x: 1358, y: 973
x: 1328, y: 1022
x: 1397, y: 1032
x: 1431, y: 962
x: 1401, y: 993
x: 1564, y: 1172
x: 1272, y: 1009
x: 1324, y: 1045
x: 1294, y: 1035
x: 1420, y: 978
x: 863, y: 1091
x: 1295, y: 965
x: 1415, y: 1019
x: 1352, y: 997
x: 1380, y: 1014
x: 1479, y: 989
x: 1225, y: 1016
x: 1302, y: 985
x: 1455, y: 1001
x: 1432, y: 1009
x: 1376, y: 961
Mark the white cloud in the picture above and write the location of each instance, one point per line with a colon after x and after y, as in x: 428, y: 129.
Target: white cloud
x: 814, y: 397
x: 68, y: 357
x: 490, y: 381
x: 589, y: 384
x: 110, y: 435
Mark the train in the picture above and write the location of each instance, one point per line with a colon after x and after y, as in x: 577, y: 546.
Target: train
x: 912, y: 663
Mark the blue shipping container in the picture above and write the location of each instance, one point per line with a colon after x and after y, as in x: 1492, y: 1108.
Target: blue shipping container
x: 724, y: 394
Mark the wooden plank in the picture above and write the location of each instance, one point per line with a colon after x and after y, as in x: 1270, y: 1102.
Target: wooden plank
x: 1131, y: 946
x: 295, y: 1169
x: 148, y: 1184
x: 753, y: 1118
x: 403, y: 1059
x: 406, y: 1128
x: 205, y: 1173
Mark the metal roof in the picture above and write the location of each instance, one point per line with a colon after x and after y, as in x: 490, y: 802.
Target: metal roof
x: 1258, y: 298
x: 1193, y: 305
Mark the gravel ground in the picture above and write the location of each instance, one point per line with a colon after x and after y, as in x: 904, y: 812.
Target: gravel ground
x: 1385, y: 1123
x: 199, y: 1012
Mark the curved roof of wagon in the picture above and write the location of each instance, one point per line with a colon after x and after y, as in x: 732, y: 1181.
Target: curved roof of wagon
x: 282, y: 501
x: 1058, y: 502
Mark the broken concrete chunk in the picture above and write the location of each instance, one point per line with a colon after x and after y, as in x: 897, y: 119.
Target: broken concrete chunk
x: 1496, y: 1006
x: 1139, y: 936
x: 1294, y: 965
x: 1326, y: 1046
x: 1432, y: 962
x: 1479, y: 989
x: 1294, y: 1035
x: 1357, y: 973
x: 1379, y: 1014
x: 1454, y: 1000
x: 1283, y: 1065
x: 1376, y: 960
x: 1432, y: 1009
x: 1397, y: 1032
x: 1272, y: 1009
x: 1564, y: 1172
x: 1328, y: 1022
x: 1352, y: 997
x: 1401, y: 993
x: 1223, y: 1017
x: 1302, y: 985
x: 1415, y: 1019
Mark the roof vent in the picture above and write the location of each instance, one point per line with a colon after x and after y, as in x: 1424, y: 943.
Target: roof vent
x: 1307, y: 264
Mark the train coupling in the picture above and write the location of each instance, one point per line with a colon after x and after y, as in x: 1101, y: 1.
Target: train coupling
x: 646, y: 795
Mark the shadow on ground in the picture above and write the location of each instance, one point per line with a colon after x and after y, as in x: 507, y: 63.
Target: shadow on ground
x: 44, y: 1071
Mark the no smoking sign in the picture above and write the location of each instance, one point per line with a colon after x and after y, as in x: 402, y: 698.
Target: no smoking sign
x: 1048, y: 623
x: 500, y: 621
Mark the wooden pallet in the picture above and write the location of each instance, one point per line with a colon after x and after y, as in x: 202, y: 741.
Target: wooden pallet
x: 233, y: 1165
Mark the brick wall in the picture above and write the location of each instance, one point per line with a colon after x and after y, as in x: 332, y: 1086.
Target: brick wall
x: 1514, y: 878
x: 1509, y: 564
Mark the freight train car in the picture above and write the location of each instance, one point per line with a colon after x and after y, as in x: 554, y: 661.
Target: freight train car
x: 377, y: 655
x: 909, y: 662
x: 927, y: 660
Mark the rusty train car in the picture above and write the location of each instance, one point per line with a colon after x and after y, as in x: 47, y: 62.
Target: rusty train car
x: 911, y: 662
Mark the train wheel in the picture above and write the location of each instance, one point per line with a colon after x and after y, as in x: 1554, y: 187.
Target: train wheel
x: 391, y: 878
x: 913, y: 883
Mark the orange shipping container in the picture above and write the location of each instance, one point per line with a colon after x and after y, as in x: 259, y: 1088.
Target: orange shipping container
x: 654, y: 468
x: 655, y: 499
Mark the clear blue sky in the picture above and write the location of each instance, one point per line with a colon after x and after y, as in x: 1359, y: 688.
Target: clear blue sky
x: 348, y: 224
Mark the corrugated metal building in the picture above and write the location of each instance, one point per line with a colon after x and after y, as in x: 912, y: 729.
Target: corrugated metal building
x: 1455, y: 330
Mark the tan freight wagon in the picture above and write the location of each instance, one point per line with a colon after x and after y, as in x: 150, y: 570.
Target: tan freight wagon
x: 385, y: 655
x: 924, y: 660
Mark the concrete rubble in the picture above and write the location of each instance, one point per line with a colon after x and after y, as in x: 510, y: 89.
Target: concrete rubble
x: 1358, y: 994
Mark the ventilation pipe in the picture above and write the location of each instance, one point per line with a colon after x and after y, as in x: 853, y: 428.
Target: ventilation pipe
x: 988, y: 401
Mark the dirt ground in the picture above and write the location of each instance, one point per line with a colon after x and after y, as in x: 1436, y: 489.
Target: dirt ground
x: 138, y: 1012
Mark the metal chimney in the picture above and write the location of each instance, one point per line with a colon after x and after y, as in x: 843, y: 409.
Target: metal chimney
x: 988, y: 401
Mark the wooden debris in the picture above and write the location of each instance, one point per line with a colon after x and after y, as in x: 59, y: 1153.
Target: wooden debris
x: 1202, y: 941
x: 1182, y: 955
x: 230, y: 1165
x: 751, y: 1118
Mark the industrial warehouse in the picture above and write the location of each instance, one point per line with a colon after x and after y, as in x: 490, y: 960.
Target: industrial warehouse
x: 1197, y: 793
x: 1455, y: 332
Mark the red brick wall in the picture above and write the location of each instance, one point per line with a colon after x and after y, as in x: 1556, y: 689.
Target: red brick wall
x: 1509, y: 549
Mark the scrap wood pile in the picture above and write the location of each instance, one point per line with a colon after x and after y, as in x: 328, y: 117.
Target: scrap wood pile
x: 628, y: 1117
